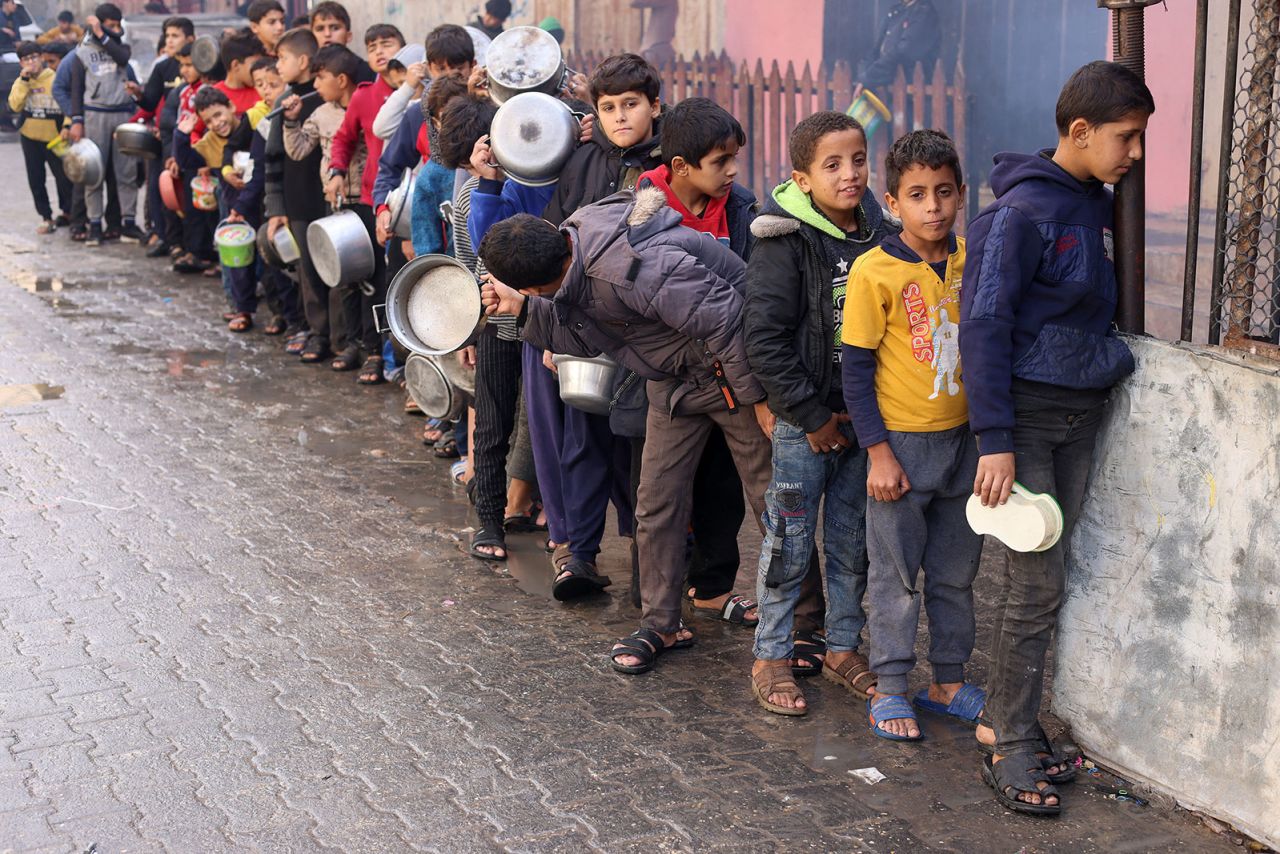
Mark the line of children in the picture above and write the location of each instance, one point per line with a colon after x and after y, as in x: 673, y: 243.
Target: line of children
x: 817, y: 360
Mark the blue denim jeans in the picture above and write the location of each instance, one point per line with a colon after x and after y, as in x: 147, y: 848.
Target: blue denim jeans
x: 801, y: 482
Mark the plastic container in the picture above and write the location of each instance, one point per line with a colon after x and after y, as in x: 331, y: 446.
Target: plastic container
x: 204, y: 193
x: 236, y: 243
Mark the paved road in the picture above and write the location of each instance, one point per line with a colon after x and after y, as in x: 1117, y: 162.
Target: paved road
x: 234, y: 615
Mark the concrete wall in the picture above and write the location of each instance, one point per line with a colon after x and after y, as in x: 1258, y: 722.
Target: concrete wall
x: 1167, y: 664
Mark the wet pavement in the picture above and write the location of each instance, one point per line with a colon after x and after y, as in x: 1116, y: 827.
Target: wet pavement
x: 234, y: 614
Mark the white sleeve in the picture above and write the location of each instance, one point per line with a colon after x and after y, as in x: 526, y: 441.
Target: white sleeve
x: 388, y: 118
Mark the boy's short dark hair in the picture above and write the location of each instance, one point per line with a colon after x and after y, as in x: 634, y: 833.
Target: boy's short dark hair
x: 930, y: 148
x: 383, y: 31
x: 303, y: 20
x: 210, y: 96
x: 185, y: 50
x: 802, y: 144
x: 299, y: 41
x: 451, y: 45
x: 108, y: 12
x: 66, y: 17
x: 259, y: 9
x: 625, y: 72
x: 264, y: 63
x: 524, y: 251
x: 26, y: 49
x: 239, y: 47
x: 442, y: 90
x: 56, y: 48
x: 500, y: 9
x: 179, y: 23
x: 331, y: 9
x: 337, y: 59
x: 693, y: 128
x: 463, y: 121
x: 1101, y: 92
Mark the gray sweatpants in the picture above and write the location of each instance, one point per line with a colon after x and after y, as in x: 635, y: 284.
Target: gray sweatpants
x: 99, y: 127
x: 925, y: 528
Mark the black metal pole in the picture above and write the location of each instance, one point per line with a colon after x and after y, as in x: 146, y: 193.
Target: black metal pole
x: 1131, y: 192
x: 1197, y: 157
x: 1225, y: 151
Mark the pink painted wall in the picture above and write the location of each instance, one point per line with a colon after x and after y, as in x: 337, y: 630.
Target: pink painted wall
x: 1170, y: 36
x: 769, y: 30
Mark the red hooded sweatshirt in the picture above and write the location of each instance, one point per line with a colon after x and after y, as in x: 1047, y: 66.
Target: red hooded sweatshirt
x: 713, y: 221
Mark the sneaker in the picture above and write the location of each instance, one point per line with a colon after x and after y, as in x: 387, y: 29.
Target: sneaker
x: 47, y: 227
x: 132, y: 234
x: 94, y: 237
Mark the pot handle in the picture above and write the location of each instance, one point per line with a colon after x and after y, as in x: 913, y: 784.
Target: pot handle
x: 367, y: 288
x: 381, y: 323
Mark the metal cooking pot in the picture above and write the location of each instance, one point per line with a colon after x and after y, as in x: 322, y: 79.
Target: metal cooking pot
x: 463, y: 379
x: 430, y: 388
x: 532, y: 136
x: 433, y: 306
x: 480, y: 40
x: 524, y: 59
x: 341, y: 249
x: 586, y: 384
x: 83, y: 164
x: 136, y: 140
x: 205, y: 54
x: 400, y: 202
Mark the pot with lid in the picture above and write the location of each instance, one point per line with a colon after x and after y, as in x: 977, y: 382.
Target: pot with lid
x: 532, y: 136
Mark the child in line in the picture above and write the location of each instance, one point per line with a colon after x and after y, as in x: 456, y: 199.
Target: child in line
x: 1040, y: 360
x: 32, y: 97
x: 335, y: 69
x: 330, y: 23
x: 163, y: 84
x: 901, y: 373
x: 434, y: 184
x: 813, y: 228
x: 239, y: 52
x: 196, y: 255
x: 266, y: 21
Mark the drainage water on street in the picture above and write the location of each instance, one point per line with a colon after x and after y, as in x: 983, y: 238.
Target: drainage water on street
x: 12, y: 396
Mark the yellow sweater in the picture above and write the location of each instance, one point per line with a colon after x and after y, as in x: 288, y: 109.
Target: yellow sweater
x: 34, y: 99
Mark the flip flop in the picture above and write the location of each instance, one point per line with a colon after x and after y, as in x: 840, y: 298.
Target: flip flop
x: 966, y: 705
x: 891, y: 707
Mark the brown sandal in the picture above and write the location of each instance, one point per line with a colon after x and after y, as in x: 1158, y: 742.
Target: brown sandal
x: 853, y: 674
x: 776, y: 678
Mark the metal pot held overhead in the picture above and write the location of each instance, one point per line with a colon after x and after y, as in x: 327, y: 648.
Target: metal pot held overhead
x: 400, y: 203
x: 136, y: 140
x: 524, y: 59
x: 206, y: 54
x: 433, y: 306
x: 83, y: 164
x: 532, y: 136
x: 341, y: 249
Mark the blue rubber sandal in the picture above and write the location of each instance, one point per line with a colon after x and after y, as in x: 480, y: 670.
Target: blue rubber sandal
x: 966, y: 705
x: 891, y: 708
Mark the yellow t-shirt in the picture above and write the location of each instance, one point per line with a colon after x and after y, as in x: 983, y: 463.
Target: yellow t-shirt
x: 911, y: 318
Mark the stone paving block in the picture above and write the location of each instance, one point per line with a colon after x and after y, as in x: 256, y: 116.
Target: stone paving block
x: 28, y: 829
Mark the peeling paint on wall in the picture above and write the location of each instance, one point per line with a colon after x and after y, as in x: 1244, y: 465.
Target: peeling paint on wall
x: 1167, y: 665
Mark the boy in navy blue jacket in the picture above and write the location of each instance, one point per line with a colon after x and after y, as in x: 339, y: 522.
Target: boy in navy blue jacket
x: 1040, y: 358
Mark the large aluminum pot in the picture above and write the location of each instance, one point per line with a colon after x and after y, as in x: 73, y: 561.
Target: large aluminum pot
x: 433, y: 306
x: 400, y: 203
x: 136, y: 140
x: 341, y: 249
x: 480, y: 40
x: 586, y: 384
x: 532, y: 136
x: 430, y: 388
x: 463, y: 379
x: 206, y: 54
x: 524, y: 59
x: 83, y: 164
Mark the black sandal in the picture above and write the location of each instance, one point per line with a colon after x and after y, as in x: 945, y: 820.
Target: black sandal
x: 646, y: 645
x: 447, y: 449
x: 526, y: 522
x: 1020, y: 774
x: 317, y: 350
x: 275, y: 326
x: 296, y: 343
x: 733, y: 611
x: 1046, y: 762
x: 371, y: 371
x: 811, y: 648
x: 581, y: 579
x: 489, y: 536
x: 347, y: 360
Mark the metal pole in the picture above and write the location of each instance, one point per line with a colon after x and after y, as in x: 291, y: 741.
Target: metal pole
x: 1225, y: 151
x: 1131, y: 192
x: 1197, y: 157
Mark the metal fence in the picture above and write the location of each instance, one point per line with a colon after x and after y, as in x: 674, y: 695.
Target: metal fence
x: 1245, y: 306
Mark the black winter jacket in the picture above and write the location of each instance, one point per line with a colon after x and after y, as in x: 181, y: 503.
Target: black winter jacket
x: 790, y: 310
x: 599, y: 169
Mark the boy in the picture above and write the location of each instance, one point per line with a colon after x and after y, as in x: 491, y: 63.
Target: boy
x: 330, y: 23
x: 266, y: 21
x: 294, y: 196
x: 64, y: 30
x: 335, y: 68
x: 1040, y: 360
x: 163, y: 83
x: 32, y: 97
x: 195, y: 253
x: 665, y: 302
x: 902, y: 385
x: 812, y: 229
x: 406, y: 72
x: 101, y: 102
x: 239, y: 52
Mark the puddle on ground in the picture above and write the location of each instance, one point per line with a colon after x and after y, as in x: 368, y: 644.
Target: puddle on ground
x: 36, y: 283
x: 179, y: 362
x: 21, y: 395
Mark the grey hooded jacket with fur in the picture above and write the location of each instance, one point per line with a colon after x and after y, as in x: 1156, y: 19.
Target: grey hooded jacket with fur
x: 661, y: 299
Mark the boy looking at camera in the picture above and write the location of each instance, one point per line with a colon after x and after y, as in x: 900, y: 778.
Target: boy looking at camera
x: 266, y: 21
x: 1040, y: 359
x: 901, y: 371
x: 32, y: 97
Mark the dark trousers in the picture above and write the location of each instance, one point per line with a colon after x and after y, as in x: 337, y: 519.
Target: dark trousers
x: 197, y: 225
x: 160, y: 220
x: 718, y: 511
x: 497, y: 390
x: 546, y: 434
x: 357, y: 306
x: 593, y: 471
x: 280, y: 291
x: 315, y: 293
x: 36, y: 155
x: 1054, y: 433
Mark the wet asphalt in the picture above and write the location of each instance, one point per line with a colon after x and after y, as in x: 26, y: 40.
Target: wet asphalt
x: 235, y: 614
